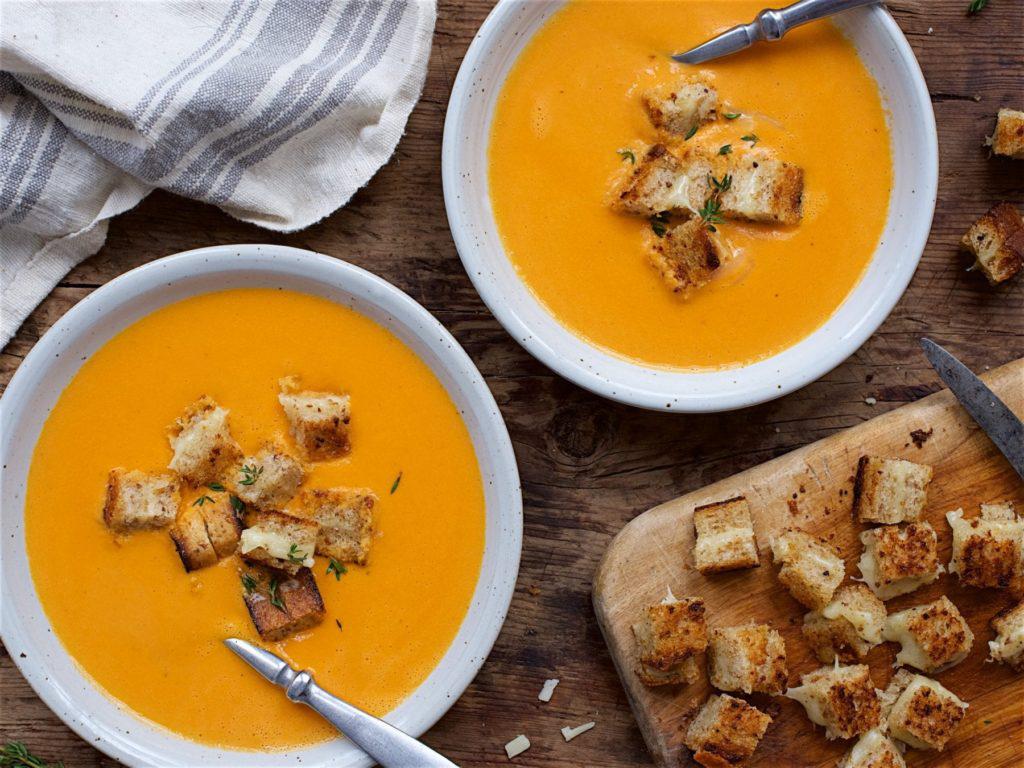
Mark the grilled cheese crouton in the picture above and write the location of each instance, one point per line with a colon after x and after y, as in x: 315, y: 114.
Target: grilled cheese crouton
x: 319, y: 421
x: 659, y: 183
x: 988, y: 550
x: 873, y: 750
x: 668, y: 636
x: 764, y: 188
x: 848, y: 627
x: 898, y: 559
x: 192, y: 540
x: 280, y: 605
x: 842, y: 699
x: 726, y: 731
x: 345, y: 517
x: 682, y: 108
x: 202, y: 443
x: 725, y: 536
x: 687, y: 255
x: 1008, y: 647
x: 268, y: 479
x: 890, y: 490
x: 933, y: 637
x: 139, y: 500
x: 1009, y: 136
x: 278, y: 540
x: 920, y: 712
x: 811, y: 568
x: 996, y: 240
x: 222, y: 524
x: 750, y: 658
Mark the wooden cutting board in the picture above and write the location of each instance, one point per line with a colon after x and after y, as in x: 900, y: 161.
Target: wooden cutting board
x: 812, y: 488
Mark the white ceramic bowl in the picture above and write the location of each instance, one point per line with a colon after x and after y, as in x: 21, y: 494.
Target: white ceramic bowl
x: 890, y: 60
x: 56, y: 358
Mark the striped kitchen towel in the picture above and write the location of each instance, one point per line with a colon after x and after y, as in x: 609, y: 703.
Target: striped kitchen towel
x: 277, y: 111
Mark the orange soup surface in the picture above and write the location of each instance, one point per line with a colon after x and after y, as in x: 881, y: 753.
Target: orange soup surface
x: 148, y: 632
x: 574, y: 97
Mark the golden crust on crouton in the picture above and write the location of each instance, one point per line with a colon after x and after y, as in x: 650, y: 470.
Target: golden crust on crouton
x: 649, y: 189
x: 749, y: 658
x: 681, y: 108
x: 842, y: 699
x: 667, y: 637
x: 996, y: 240
x: 345, y: 517
x: 764, y: 188
x: 1008, y: 645
x: 890, y: 490
x: 921, y: 712
x: 139, y: 500
x: 933, y: 636
x: 726, y: 731
x: 811, y: 568
x: 873, y: 750
x: 988, y: 550
x: 848, y: 627
x: 202, y: 443
x: 687, y: 255
x: 898, y: 559
x: 725, y: 536
x: 1009, y: 136
x: 192, y: 540
x: 223, y: 525
x: 268, y: 479
x: 278, y: 540
x: 281, y: 605
x: 319, y: 421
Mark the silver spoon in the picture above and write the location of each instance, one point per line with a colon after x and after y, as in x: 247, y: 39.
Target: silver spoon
x: 769, y: 25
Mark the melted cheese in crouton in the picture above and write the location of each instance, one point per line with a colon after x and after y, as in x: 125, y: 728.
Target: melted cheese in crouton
x: 988, y: 550
x: 921, y: 712
x: 725, y: 536
x: 681, y: 108
x: 764, y: 188
x: 202, y: 443
x: 726, y: 731
x: 933, y: 636
x: 1008, y: 645
x: 1009, y: 136
x: 268, y: 479
x: 811, y: 569
x: 668, y: 635
x: 139, y: 500
x: 842, y: 699
x: 279, y: 540
x: 899, y: 559
x: 890, y: 490
x: 750, y: 658
x: 848, y: 627
x: 873, y: 750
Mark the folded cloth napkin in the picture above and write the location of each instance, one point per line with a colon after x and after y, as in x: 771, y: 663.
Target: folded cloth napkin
x: 275, y: 110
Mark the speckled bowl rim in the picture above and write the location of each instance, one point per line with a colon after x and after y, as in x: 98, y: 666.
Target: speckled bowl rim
x: 106, y: 723
x: 494, y: 50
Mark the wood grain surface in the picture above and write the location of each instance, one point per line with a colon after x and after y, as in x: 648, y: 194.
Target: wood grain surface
x: 812, y: 489
x: 589, y: 466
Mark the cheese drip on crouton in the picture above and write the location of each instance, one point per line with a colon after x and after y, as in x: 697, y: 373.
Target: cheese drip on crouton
x: 933, y: 637
x: 345, y: 517
x: 996, y: 240
x: 899, y: 559
x: 725, y: 536
x: 1008, y: 645
x: 811, y: 569
x: 749, y: 658
x: 279, y: 540
x: 268, y: 479
x: 681, y: 108
x: 988, y: 550
x: 726, y: 731
x: 280, y: 606
x: 668, y: 636
x: 139, y: 500
x: 848, y: 627
x: 1009, y: 136
x: 202, y: 443
x: 890, y: 490
x: 920, y: 712
x: 319, y: 421
x: 873, y: 750
x: 842, y: 699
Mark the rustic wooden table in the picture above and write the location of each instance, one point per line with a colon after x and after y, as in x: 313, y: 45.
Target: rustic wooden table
x: 588, y: 465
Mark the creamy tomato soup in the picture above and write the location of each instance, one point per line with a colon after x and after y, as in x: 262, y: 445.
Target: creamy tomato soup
x: 148, y: 632
x: 573, y: 98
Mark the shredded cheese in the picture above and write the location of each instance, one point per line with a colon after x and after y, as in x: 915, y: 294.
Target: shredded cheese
x: 547, y: 690
x: 669, y: 598
x: 517, y: 746
x: 571, y: 733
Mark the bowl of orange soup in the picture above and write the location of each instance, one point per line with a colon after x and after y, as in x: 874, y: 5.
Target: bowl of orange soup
x: 688, y: 238
x: 123, y: 642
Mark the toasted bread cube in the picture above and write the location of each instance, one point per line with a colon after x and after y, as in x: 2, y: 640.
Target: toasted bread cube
x: 279, y: 540
x: 319, y: 421
x: 223, y: 526
x: 898, y: 559
x: 873, y: 750
x: 749, y: 658
x: 139, y: 500
x: 811, y: 568
x: 682, y: 108
x: 890, y: 490
x: 920, y: 712
x: 268, y: 479
x: 668, y: 636
x: 202, y: 443
x: 933, y: 636
x: 848, y: 627
x: 996, y: 240
x: 281, y: 605
x: 764, y: 188
x: 650, y: 188
x: 988, y: 550
x: 725, y: 536
x: 726, y: 731
x: 1009, y: 136
x: 843, y: 699
x: 192, y: 540
x: 345, y: 517
x: 687, y: 256
x: 1008, y: 647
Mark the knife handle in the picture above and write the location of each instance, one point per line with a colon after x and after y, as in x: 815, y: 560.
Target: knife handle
x: 383, y: 742
x: 773, y: 24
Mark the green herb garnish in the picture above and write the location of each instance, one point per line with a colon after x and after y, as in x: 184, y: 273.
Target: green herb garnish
x: 720, y: 186
x: 337, y: 569
x: 394, y: 485
x: 751, y: 137
x: 689, y: 133
x: 627, y: 154
x: 338, y: 622
x: 296, y: 555
x: 249, y: 473
x: 725, y: 149
x: 202, y: 500
x: 215, y: 486
x: 237, y: 504
x: 659, y: 224
x: 976, y: 6
x: 249, y: 583
x: 710, y: 214
x: 275, y: 599
x: 16, y: 755
x: 731, y: 115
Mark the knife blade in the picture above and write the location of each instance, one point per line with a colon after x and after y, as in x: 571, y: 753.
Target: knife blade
x: 383, y: 742
x: 1002, y: 426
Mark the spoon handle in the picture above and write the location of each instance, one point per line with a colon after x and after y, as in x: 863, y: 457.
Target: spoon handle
x: 773, y: 24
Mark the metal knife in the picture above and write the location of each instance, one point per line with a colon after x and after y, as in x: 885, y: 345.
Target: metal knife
x: 383, y: 742
x: 1001, y: 425
x: 770, y: 24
